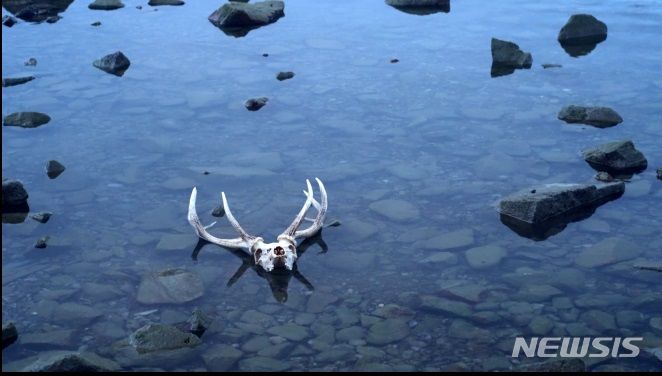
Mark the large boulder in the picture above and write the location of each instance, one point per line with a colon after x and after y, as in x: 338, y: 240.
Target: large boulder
x: 507, y: 56
x: 421, y: 7
x: 158, y: 337
x: 237, y: 19
x: 541, y: 211
x: 616, y: 158
x: 36, y: 10
x: 581, y: 34
x: 115, y: 63
x: 601, y: 117
x: 26, y: 119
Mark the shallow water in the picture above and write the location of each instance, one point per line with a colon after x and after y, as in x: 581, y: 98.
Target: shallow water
x: 434, y: 131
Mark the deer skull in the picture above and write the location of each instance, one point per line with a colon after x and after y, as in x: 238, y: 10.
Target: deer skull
x: 278, y: 255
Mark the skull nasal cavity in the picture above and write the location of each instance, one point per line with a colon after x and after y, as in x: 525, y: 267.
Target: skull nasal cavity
x: 279, y: 251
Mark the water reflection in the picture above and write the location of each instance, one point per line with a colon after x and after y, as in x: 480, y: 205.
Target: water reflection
x: 581, y: 47
x: 278, y: 279
x: 421, y: 8
x: 36, y: 10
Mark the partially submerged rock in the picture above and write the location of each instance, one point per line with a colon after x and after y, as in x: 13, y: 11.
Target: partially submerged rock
x: 158, y: 337
x: 6, y: 82
x: 542, y: 211
x: 255, y: 104
x: 54, y: 169
x: 618, y: 157
x: 659, y: 173
x: 281, y: 76
x: 507, y: 56
x: 172, y: 286
x: 106, y: 5
x: 199, y: 322
x: 36, y: 10
x: 26, y: 119
x: 9, y: 334
x: 115, y: 63
x: 69, y: 361
x: 14, y: 196
x: 601, y: 117
x: 237, y: 19
x: 581, y: 34
x: 421, y: 7
x: 9, y: 21
x: 42, y: 217
x: 41, y: 242
x: 547, y: 66
x: 155, y: 3
x: 31, y: 62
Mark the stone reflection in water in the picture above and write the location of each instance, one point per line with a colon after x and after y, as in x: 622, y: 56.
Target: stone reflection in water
x: 421, y: 7
x: 36, y: 10
x: 278, y: 279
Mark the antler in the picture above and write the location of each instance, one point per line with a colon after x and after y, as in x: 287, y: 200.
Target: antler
x: 243, y: 241
x: 318, y: 222
x: 292, y: 229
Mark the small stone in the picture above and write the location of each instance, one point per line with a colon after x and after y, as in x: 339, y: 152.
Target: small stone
x: 218, y: 212
x: 106, y: 5
x: 139, y: 7
x: 221, y: 358
x: 6, y: 82
x: 155, y: 3
x: 199, y: 322
x: 32, y: 62
x: 388, y: 331
x: 265, y: 55
x: 26, y: 119
x: 659, y: 173
x: 96, y: 23
x: 393, y: 61
x: 255, y: 104
x: 174, y: 286
x: 54, y: 169
x: 445, y: 306
x: 157, y: 337
x: 485, y: 257
x: 616, y: 157
x: 115, y: 63
x: 41, y: 242
x: 281, y: 76
x: 9, y: 334
x: 600, y: 117
x: 396, y: 209
x: 421, y: 7
x: 455, y: 239
x: 9, y: 21
x: 290, y: 331
x: 607, y: 251
x: 541, y: 325
x: 604, y: 177
x: 547, y: 66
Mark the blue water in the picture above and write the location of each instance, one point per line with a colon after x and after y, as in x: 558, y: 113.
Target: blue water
x: 434, y: 131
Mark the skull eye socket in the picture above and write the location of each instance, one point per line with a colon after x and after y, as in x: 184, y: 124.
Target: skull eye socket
x: 291, y: 247
x: 258, y: 253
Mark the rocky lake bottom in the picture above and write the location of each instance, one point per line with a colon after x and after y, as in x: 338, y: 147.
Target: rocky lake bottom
x: 416, y: 140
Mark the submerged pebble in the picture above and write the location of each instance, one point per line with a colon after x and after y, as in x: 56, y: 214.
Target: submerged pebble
x: 26, y: 119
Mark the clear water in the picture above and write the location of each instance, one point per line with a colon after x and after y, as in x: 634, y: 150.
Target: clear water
x: 434, y: 130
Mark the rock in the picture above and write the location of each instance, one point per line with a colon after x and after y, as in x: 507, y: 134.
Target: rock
x: 54, y: 169
x: 659, y: 173
x: 54, y: 338
x: 507, y: 56
x: 582, y: 29
x: 26, y: 119
x: 542, y: 211
x: 540, y: 325
x: 617, y: 157
x: 290, y: 331
x: 221, y: 358
x: 281, y: 76
x: 604, y: 177
x: 445, y: 306
x: 601, y: 321
x: 263, y: 364
x: 96, y: 23
x: 237, y: 19
x: 36, y: 10
x: 74, y: 313
x: 8, y: 21
x: 255, y: 104
x: 9, y: 334
x: 396, y: 209
x: 32, y: 62
x: 173, y: 286
x: 199, y: 322
x: 547, y: 66
x: 53, y: 19
x: 158, y: 337
x: 607, y: 251
x: 600, y: 117
x: 42, y: 217
x: 440, y: 257
x: 393, y: 61
x: 421, y: 7
x: 156, y: 3
x: 464, y: 330
x: 6, y: 82
x: 485, y: 257
x: 106, y: 5
x: 176, y: 242
x: 553, y: 365
x: 66, y: 361
x: 115, y: 63
x: 41, y: 242
x: 14, y: 196
x: 387, y: 331
x: 318, y: 301
x: 218, y: 212
x: 454, y: 239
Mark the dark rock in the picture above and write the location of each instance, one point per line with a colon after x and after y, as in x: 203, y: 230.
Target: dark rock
x: 547, y: 66
x: 421, y: 7
x: 42, y: 217
x: 393, y: 61
x: 255, y: 104
x: 6, y: 82
x: 284, y: 76
x: 139, y: 7
x: 265, y: 55
x: 155, y: 3
x: 601, y: 117
x: 553, y: 365
x: 14, y: 195
x: 32, y: 62
x: 199, y: 322
x: 659, y: 173
x: 106, y: 5
x: 507, y: 56
x: 618, y: 157
x: 54, y: 169
x: 582, y: 29
x: 53, y: 19
x: 237, y: 19
x: 96, y: 23
x: 115, y: 63
x: 157, y: 337
x: 219, y: 211
x: 9, y: 334
x: 65, y: 361
x: 9, y: 21
x: 26, y: 119
x: 542, y: 211
x: 36, y: 10
x: 42, y: 242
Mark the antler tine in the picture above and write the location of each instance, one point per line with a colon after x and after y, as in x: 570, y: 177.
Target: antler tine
x: 292, y: 229
x: 201, y: 230
x: 322, y: 207
x: 243, y: 234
